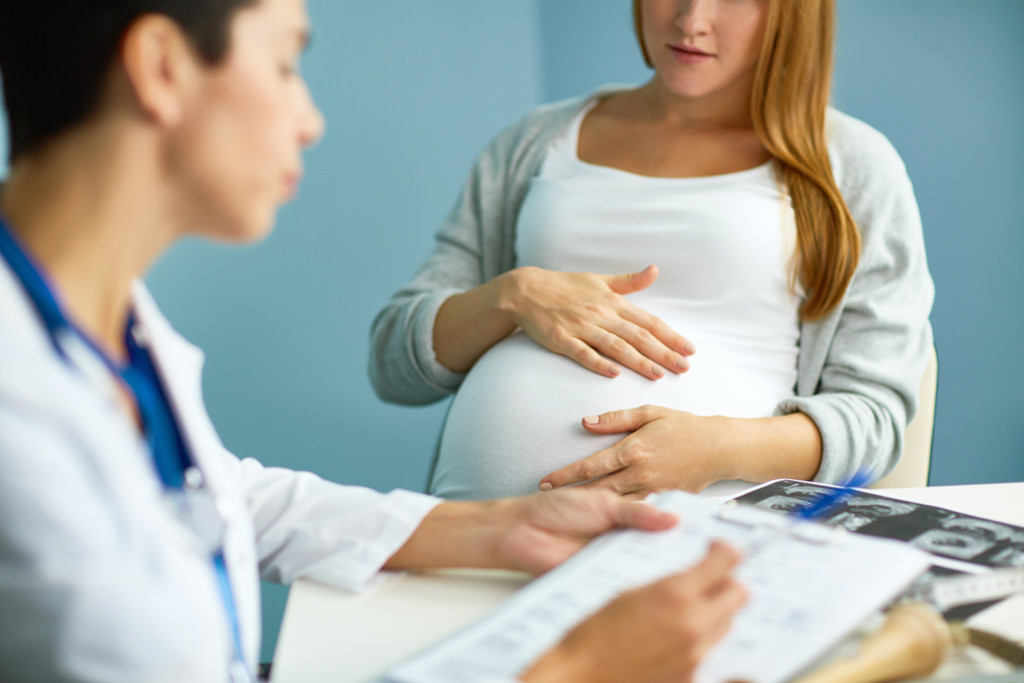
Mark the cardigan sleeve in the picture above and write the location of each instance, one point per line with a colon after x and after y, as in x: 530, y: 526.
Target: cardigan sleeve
x: 861, y: 366
x: 403, y: 367
x: 475, y: 243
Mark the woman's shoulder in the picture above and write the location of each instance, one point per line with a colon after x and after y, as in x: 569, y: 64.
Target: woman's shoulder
x: 860, y: 153
x: 546, y: 122
x: 874, y: 183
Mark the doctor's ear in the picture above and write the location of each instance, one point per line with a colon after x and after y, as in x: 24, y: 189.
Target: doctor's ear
x: 161, y: 68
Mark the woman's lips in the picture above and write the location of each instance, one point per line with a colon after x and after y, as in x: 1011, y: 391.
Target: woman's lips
x: 689, y: 55
x: 291, y: 184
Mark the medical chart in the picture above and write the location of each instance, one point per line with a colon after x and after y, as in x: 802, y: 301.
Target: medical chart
x: 809, y: 585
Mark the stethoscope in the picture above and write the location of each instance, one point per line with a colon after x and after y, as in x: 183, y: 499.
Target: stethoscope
x: 185, y: 488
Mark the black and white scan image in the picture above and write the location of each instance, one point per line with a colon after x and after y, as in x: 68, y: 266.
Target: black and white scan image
x: 937, y: 530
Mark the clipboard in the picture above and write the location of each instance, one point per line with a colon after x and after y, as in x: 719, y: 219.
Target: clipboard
x: 810, y: 587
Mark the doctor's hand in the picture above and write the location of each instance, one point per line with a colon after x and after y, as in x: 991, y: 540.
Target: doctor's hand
x: 658, y: 633
x: 583, y: 316
x: 664, y: 449
x: 531, y: 533
x: 545, y: 530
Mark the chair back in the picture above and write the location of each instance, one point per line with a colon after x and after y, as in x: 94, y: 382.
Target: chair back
x: 912, y: 469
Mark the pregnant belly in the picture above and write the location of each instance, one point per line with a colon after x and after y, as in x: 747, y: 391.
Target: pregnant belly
x: 517, y: 415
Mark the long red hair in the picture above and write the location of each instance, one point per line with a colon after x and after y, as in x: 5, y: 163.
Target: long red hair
x: 792, y: 84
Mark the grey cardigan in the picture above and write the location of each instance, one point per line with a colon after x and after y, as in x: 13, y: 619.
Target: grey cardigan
x: 858, y: 368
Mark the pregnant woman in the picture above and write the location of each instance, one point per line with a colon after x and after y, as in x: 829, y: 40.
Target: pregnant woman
x: 712, y: 276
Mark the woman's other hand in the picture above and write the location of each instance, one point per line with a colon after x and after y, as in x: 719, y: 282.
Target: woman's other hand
x: 673, y: 449
x: 656, y: 633
x: 665, y: 449
x: 583, y: 316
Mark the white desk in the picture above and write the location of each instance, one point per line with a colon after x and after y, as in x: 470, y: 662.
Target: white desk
x: 330, y: 635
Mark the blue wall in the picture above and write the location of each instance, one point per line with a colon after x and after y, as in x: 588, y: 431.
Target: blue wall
x: 588, y: 43
x: 411, y: 90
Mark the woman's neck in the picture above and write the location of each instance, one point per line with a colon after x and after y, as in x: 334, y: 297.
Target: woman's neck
x: 729, y: 108
x: 88, y: 211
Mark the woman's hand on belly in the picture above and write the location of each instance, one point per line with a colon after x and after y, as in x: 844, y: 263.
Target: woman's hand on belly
x: 673, y: 449
x: 583, y: 316
x: 666, y: 449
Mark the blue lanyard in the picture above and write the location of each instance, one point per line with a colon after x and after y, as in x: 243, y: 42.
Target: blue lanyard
x: 163, y: 434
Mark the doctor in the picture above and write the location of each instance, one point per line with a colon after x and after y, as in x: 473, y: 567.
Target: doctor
x: 131, y: 541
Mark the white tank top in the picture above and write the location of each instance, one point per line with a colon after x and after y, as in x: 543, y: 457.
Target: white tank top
x: 723, y: 245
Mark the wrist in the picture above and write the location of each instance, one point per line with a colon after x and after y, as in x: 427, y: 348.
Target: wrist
x: 477, y: 533
x: 508, y: 295
x: 765, y: 448
x: 455, y: 534
x: 504, y: 516
x: 728, y: 447
x: 471, y: 322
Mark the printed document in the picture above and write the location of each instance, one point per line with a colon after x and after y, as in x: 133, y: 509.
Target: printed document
x: 810, y: 586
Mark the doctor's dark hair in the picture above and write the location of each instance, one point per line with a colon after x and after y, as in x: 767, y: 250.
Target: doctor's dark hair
x: 55, y: 55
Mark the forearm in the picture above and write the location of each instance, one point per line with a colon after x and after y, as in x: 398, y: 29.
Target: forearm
x: 762, y: 449
x: 457, y: 534
x: 469, y: 323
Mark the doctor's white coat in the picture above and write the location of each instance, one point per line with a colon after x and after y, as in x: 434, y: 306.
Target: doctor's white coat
x: 98, y: 579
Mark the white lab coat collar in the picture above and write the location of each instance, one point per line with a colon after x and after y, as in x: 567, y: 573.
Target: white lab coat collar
x: 22, y: 327
x: 180, y: 365
x: 179, y: 362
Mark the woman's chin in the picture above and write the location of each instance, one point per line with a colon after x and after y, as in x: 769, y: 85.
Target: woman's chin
x: 249, y: 229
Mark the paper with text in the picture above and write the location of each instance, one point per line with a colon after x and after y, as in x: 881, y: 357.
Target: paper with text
x: 809, y: 587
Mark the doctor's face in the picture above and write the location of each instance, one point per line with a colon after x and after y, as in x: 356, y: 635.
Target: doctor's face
x: 238, y: 151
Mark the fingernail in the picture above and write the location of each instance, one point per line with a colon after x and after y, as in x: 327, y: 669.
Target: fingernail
x: 591, y: 419
x: 614, y: 370
x: 683, y: 364
x: 546, y: 486
x: 690, y: 348
x: 657, y: 371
